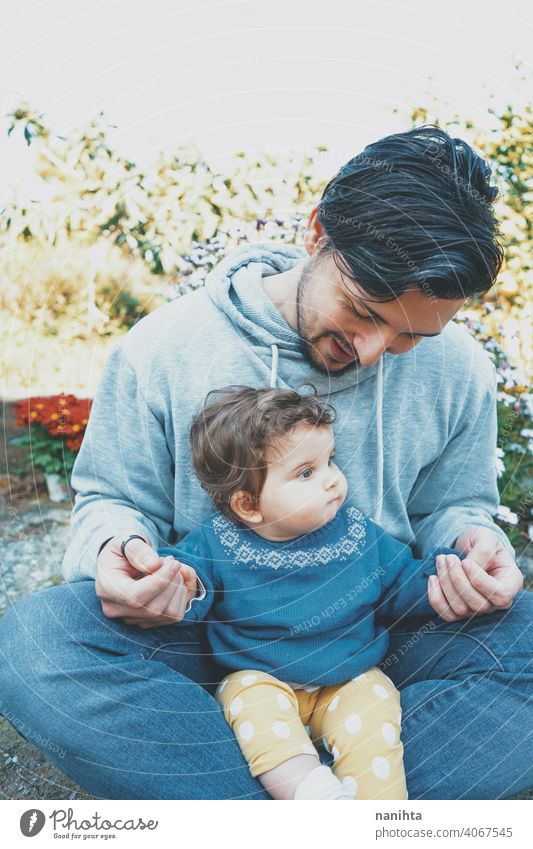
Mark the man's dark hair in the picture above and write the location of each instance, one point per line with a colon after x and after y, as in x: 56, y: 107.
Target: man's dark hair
x: 230, y: 437
x: 413, y: 211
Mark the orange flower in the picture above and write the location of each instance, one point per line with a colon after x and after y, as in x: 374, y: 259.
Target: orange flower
x: 65, y: 417
x: 74, y: 444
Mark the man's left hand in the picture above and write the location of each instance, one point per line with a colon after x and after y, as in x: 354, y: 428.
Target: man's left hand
x: 486, y: 581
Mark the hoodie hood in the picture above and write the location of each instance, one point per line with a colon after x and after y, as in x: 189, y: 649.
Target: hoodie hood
x: 235, y: 287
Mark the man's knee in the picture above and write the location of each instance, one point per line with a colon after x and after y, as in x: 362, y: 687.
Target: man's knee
x: 521, y: 612
x: 40, y: 627
x: 508, y: 635
x: 40, y: 619
x: 500, y: 643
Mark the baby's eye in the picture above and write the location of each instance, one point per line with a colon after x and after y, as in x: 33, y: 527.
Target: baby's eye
x: 303, y: 474
x: 331, y: 460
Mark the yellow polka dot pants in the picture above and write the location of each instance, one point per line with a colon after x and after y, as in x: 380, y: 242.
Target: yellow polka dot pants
x: 358, y: 722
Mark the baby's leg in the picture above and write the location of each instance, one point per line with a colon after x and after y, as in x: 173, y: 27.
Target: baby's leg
x: 360, y: 722
x: 263, y: 713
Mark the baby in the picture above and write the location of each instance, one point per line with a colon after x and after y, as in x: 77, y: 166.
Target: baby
x: 291, y: 576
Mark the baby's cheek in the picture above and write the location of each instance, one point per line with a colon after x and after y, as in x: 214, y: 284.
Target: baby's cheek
x: 308, y: 500
x: 297, y: 506
x: 312, y: 510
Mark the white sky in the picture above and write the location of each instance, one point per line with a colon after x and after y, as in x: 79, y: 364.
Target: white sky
x: 247, y: 74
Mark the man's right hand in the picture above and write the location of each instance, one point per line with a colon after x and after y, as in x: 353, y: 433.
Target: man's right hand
x: 142, y: 588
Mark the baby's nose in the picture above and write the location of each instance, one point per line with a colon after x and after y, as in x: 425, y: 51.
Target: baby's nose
x: 331, y: 480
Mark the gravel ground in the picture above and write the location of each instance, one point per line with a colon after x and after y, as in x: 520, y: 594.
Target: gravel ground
x: 34, y: 537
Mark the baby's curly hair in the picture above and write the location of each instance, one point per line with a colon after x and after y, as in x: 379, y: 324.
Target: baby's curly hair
x: 230, y: 437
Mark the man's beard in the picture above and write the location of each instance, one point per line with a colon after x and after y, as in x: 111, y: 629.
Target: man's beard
x: 308, y: 352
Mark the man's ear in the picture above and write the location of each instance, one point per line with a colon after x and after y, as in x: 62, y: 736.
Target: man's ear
x: 314, y: 232
x: 245, y: 507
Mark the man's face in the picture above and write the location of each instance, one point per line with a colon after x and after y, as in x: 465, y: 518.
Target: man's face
x: 342, y: 326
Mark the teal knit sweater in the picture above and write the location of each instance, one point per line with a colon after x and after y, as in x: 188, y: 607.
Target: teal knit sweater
x: 308, y: 610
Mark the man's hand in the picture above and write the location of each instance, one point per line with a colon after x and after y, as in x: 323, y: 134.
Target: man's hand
x: 487, y: 579
x: 142, y: 588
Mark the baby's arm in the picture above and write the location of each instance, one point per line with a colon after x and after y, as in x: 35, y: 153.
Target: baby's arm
x: 405, y: 580
x: 197, y: 572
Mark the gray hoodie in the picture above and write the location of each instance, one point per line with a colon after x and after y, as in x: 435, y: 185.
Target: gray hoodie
x: 415, y: 434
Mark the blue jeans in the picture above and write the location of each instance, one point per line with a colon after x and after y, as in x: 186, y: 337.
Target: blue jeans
x: 129, y: 713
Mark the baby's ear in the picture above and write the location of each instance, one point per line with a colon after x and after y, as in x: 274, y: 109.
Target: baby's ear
x: 245, y: 507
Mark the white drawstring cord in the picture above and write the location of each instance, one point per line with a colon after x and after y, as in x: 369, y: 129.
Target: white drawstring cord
x: 274, y: 366
x: 379, y: 440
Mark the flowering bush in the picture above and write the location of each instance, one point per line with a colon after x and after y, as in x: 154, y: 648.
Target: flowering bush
x: 514, y: 462
x: 56, y: 426
x: 515, y: 459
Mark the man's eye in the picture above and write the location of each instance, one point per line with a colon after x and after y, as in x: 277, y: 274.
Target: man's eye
x: 304, y: 473
x: 358, y: 314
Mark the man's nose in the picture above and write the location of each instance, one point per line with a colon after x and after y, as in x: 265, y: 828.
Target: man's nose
x: 371, y: 347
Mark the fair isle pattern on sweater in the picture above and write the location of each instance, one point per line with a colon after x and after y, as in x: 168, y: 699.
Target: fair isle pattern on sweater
x: 276, y: 557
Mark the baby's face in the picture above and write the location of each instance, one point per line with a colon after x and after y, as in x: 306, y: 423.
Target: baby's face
x: 304, y: 488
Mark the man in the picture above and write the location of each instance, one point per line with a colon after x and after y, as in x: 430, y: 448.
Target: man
x: 402, y: 235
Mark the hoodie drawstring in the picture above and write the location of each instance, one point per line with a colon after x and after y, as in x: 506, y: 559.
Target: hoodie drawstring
x: 379, y: 440
x: 274, y: 366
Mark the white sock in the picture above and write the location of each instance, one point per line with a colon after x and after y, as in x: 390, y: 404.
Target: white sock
x: 320, y: 783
